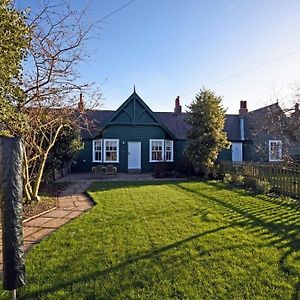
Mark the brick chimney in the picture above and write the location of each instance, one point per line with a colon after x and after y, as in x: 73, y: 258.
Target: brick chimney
x: 296, y: 113
x: 177, y: 109
x: 243, y: 108
x: 80, y: 103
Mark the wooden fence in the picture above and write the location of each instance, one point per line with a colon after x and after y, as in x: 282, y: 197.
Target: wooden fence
x: 282, y: 179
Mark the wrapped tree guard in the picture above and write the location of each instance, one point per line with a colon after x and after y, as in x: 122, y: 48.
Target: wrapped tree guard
x: 11, y: 207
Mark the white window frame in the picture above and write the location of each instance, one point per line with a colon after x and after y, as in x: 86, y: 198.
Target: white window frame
x: 271, y: 155
x: 163, y: 154
x: 162, y: 149
x: 94, y: 151
x: 172, y: 150
x: 104, y: 150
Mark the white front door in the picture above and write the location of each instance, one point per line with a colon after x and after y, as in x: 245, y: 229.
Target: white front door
x: 134, y: 155
x: 237, y: 151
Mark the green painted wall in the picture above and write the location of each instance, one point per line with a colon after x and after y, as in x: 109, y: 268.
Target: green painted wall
x: 84, y: 158
x: 225, y: 154
x: 125, y: 134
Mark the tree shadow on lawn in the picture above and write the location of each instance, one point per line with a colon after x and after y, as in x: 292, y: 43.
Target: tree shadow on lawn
x: 247, y: 218
x: 272, y: 198
x: 285, y: 230
x: 152, y: 254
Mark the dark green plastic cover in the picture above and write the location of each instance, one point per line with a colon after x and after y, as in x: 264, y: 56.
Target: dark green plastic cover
x: 11, y: 208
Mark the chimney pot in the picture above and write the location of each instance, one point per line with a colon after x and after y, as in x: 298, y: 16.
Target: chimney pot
x: 177, y: 108
x: 243, y: 108
x: 81, y: 103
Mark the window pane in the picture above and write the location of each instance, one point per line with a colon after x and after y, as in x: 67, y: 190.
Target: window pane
x: 169, y: 150
x: 275, y: 150
x: 97, y: 150
x: 111, y: 150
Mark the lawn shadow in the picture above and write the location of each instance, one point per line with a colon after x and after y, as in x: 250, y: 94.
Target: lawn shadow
x: 247, y: 218
x: 272, y: 198
x: 151, y: 254
x: 286, y: 231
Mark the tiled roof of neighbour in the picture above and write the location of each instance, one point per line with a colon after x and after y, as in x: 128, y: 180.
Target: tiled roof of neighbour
x: 232, y: 127
x: 261, y: 117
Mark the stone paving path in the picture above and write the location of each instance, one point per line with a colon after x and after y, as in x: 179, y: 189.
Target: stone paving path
x: 72, y: 202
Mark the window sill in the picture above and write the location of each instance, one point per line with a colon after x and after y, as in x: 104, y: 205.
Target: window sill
x: 161, y: 161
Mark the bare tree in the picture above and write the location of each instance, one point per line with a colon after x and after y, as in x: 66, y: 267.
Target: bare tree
x: 51, y: 85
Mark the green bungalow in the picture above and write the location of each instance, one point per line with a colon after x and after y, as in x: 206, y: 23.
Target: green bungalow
x: 134, y: 138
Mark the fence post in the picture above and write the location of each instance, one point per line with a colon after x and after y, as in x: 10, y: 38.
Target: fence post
x: 11, y: 193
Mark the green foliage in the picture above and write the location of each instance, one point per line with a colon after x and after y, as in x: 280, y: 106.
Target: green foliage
x: 170, y: 240
x: 262, y: 187
x: 235, y: 180
x: 258, y: 186
x: 206, y: 137
x: 250, y: 183
x: 227, y: 178
x: 238, y: 180
x: 65, y: 149
x: 14, y: 40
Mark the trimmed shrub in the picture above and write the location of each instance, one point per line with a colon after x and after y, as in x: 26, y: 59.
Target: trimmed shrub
x: 227, y: 178
x: 238, y: 180
x: 249, y: 183
x: 262, y: 187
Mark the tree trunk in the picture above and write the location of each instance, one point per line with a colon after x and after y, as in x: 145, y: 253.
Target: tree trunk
x: 38, y: 179
x: 26, y: 178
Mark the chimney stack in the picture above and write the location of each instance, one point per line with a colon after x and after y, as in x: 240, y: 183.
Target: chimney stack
x: 177, y: 108
x: 243, y: 108
x: 80, y: 103
x: 296, y: 113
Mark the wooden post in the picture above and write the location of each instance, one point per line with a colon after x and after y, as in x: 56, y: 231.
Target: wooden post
x: 11, y: 194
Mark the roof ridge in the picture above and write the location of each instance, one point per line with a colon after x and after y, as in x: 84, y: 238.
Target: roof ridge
x: 264, y: 107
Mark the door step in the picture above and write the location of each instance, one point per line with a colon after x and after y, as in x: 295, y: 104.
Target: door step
x: 134, y: 171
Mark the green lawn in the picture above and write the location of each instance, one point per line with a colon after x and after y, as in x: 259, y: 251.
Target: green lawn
x: 179, y: 240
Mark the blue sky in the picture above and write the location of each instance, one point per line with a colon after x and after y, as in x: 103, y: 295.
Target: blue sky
x: 170, y: 47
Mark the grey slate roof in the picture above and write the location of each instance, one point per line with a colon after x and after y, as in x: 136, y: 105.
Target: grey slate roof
x: 232, y: 127
x: 260, y: 117
x: 173, y: 121
x: 94, y: 120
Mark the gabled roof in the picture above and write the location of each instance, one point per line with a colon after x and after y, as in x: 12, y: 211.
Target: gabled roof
x: 263, y: 118
x: 134, y: 111
x: 174, y: 122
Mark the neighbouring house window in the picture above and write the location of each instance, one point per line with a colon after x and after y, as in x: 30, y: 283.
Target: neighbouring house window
x: 161, y: 150
x: 168, y: 150
x: 156, y: 150
x: 275, y: 150
x: 111, y: 150
x: 97, y: 150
